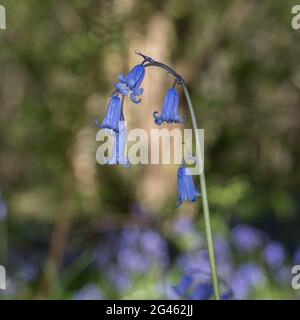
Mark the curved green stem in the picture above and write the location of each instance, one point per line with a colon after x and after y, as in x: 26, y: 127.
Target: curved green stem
x: 210, y: 244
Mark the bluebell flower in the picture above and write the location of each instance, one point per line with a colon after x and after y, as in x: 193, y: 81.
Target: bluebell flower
x: 169, y: 111
x: 222, y: 249
x: 130, y: 259
x: 119, y: 278
x: 240, y: 286
x: 274, y: 254
x: 252, y: 273
x: 195, y: 262
x: 88, y: 292
x: 129, y: 237
x: 203, y: 291
x: 154, y: 247
x: 227, y: 295
x: 183, y: 285
x: 186, y: 186
x: 130, y: 84
x: 113, y: 115
x: 139, y: 250
x: 183, y: 225
x: 283, y: 275
x: 120, y: 139
x: 249, y: 275
x: 246, y: 238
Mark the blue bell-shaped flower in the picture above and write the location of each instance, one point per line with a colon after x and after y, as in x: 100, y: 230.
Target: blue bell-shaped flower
x: 120, y: 139
x: 113, y: 115
x: 169, y: 111
x: 182, y: 287
x: 202, y: 292
x: 130, y: 84
x: 186, y: 186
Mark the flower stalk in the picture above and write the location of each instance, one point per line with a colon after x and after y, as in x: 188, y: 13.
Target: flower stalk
x: 207, y: 222
x: 210, y: 243
x: 129, y: 85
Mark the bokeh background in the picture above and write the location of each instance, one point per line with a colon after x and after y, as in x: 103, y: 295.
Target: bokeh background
x: 72, y: 229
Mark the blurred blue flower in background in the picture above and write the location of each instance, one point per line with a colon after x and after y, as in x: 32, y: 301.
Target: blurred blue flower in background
x: 247, y: 276
x: 169, y: 111
x: 296, y: 258
x: 253, y: 273
x: 128, y: 253
x: 128, y: 258
x: 183, y: 225
x: 168, y: 290
x: 198, y: 261
x: 274, y: 254
x: 227, y: 295
x: 145, y: 247
x: 88, y: 292
x: 197, y: 286
x: 155, y: 246
x: 203, y: 291
x: 222, y: 248
x: 283, y: 275
x: 130, y: 84
x: 132, y: 260
x: 223, y: 256
x: 184, y: 284
x: 194, y: 261
x: 129, y: 237
x: 240, y: 286
x: 246, y: 238
x: 119, y: 278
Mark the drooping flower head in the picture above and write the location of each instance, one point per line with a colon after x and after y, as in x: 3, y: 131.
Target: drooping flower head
x: 186, y: 186
x: 114, y: 121
x: 113, y: 115
x: 120, y: 139
x: 130, y: 84
x: 169, y: 111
